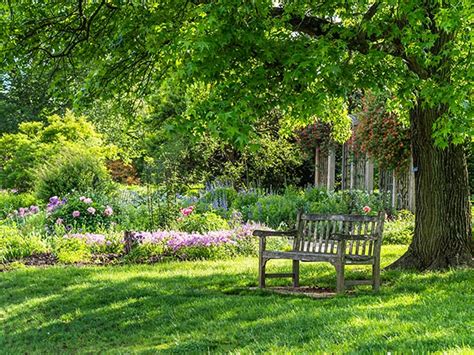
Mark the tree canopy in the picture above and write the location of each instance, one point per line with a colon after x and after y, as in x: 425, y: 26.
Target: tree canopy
x: 241, y: 60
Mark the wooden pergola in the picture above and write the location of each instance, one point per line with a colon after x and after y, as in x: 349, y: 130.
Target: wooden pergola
x: 357, y: 172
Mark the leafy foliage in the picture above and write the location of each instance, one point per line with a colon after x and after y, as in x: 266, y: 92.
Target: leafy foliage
x: 25, y: 152
x: 72, y: 171
x: 202, y: 222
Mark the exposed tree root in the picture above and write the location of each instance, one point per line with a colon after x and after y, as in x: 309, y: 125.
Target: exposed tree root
x: 410, y: 261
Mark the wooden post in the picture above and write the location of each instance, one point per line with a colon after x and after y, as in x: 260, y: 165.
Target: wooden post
x: 344, y: 168
x: 369, y: 176
x: 352, y: 175
x: 316, y: 167
x: 394, y: 191
x: 296, y: 273
x: 261, y: 263
x: 331, y: 169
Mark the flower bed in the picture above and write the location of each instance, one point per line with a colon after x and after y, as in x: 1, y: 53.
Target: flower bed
x: 147, y: 246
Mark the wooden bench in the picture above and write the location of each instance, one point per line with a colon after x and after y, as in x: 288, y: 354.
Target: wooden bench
x: 338, y: 239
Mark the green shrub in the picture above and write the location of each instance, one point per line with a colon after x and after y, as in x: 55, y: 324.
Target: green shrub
x: 202, y: 222
x: 23, y: 153
x: 14, y: 246
x: 276, y: 210
x: 71, y: 250
x: 400, y: 230
x: 145, y: 252
x: 73, y: 171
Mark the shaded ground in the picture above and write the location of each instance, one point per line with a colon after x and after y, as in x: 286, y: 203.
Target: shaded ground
x: 210, y: 306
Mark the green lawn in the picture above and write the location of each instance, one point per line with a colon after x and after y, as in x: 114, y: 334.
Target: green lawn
x: 207, y: 306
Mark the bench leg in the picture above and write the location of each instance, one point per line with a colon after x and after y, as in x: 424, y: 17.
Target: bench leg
x: 296, y: 273
x: 376, y: 276
x: 340, y: 287
x: 261, y: 272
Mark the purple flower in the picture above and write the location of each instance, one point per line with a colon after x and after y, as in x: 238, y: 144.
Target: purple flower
x: 34, y: 209
x: 68, y: 227
x: 54, y: 203
x: 76, y: 214
x: 91, y: 210
x: 108, y: 211
x: 22, y: 212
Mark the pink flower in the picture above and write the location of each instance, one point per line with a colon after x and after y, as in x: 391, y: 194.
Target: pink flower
x: 59, y: 221
x: 187, y: 211
x: 91, y: 210
x: 22, y: 211
x: 82, y: 198
x: 76, y: 214
x: 87, y: 200
x: 366, y: 209
x: 108, y: 211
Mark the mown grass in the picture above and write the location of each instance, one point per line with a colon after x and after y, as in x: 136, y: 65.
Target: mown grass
x: 208, y: 307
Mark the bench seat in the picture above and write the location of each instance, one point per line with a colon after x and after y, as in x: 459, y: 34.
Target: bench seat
x: 338, y: 239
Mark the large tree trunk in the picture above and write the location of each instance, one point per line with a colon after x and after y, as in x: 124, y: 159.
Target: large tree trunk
x: 443, y: 236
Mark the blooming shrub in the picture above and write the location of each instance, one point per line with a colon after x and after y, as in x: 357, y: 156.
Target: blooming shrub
x: 316, y: 135
x: 381, y: 135
x: 79, y: 213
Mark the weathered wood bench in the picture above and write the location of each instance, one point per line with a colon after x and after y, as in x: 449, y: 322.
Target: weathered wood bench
x: 338, y: 239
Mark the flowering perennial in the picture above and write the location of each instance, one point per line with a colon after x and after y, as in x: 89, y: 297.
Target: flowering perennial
x: 176, y: 241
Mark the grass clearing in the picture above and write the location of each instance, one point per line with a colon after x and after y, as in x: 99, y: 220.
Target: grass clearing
x: 207, y: 306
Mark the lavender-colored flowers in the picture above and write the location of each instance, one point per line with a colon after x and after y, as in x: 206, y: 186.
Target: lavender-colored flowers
x: 54, y: 203
x: 76, y: 214
x: 23, y: 212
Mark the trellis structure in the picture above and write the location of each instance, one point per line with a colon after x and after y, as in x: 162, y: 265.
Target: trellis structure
x: 357, y: 172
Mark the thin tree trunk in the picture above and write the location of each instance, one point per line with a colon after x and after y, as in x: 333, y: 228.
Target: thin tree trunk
x: 443, y: 235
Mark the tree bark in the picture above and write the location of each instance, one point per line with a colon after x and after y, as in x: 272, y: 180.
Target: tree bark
x: 443, y: 235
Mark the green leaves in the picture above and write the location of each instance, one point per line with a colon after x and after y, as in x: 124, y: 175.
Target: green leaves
x: 251, y: 58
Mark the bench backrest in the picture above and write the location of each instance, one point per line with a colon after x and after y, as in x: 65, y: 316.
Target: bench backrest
x: 315, y: 231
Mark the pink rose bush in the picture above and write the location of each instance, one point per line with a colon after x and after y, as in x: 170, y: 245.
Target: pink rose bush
x: 81, y: 213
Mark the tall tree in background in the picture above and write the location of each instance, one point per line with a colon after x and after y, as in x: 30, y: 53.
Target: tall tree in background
x: 303, y: 57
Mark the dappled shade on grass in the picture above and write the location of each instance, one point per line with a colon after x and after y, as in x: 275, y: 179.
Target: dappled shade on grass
x: 208, y: 306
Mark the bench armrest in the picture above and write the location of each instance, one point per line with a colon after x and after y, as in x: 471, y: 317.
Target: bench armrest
x: 341, y: 237
x: 264, y: 233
